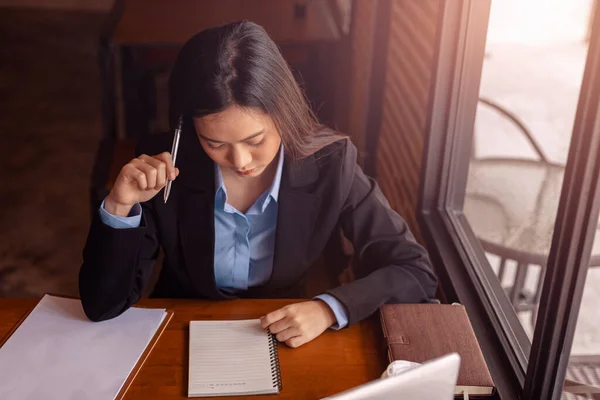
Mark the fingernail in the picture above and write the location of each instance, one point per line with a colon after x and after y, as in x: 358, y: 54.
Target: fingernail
x: 172, y: 176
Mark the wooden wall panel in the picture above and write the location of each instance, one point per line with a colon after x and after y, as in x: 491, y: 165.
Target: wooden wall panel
x: 361, y: 47
x: 406, y: 95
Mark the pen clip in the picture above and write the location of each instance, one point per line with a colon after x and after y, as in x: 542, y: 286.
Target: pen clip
x: 176, y: 136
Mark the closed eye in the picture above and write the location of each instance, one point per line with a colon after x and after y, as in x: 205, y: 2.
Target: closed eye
x: 213, y: 147
x: 258, y: 144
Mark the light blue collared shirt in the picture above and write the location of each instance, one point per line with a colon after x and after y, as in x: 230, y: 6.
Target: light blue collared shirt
x: 244, y: 243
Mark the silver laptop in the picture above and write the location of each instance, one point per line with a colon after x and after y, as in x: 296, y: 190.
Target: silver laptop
x: 432, y: 380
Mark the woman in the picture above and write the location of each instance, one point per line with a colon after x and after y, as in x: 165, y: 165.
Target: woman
x: 259, y: 188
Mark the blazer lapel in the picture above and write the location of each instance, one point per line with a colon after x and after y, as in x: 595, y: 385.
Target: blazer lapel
x: 196, y: 231
x: 298, y: 209
x: 195, y: 215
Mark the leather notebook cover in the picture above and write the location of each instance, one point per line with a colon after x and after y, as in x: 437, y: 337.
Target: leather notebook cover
x: 421, y: 332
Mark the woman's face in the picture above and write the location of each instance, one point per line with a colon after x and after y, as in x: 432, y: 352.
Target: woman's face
x: 243, y: 140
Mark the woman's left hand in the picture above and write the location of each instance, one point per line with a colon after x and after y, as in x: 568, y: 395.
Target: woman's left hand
x: 299, y: 323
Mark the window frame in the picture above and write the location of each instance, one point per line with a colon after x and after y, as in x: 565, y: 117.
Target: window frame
x: 572, y: 240
x: 519, y: 368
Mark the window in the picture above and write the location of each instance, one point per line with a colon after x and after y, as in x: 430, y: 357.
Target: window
x: 530, y: 82
x: 509, y: 199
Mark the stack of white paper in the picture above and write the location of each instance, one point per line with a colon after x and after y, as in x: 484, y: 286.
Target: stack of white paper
x: 57, y: 353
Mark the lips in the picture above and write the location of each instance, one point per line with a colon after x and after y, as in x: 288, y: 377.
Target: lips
x: 246, y: 172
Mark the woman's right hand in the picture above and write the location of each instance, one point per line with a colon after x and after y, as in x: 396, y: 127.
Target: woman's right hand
x: 139, y: 180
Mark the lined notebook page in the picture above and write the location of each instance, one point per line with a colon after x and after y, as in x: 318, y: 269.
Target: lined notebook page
x: 229, y: 358
x: 57, y: 353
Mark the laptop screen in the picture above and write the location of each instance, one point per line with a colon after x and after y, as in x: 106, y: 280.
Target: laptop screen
x: 433, y: 380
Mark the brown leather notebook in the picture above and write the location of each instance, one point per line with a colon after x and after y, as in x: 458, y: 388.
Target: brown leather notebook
x: 421, y: 332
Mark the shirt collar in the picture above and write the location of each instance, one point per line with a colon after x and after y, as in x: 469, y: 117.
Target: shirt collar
x: 272, y: 192
x: 274, y: 189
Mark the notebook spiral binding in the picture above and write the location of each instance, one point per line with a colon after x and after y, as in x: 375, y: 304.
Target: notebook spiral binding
x: 274, y: 357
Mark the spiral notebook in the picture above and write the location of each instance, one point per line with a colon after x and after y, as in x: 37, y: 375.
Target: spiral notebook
x: 229, y: 358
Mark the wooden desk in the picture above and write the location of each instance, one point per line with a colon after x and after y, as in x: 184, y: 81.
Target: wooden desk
x: 335, y: 361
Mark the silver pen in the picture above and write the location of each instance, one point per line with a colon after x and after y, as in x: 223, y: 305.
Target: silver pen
x: 174, y: 149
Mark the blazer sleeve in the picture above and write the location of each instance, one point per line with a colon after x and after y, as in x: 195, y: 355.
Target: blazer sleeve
x: 392, y: 266
x: 117, y: 263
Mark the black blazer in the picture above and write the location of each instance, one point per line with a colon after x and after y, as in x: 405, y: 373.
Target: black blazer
x: 317, y: 194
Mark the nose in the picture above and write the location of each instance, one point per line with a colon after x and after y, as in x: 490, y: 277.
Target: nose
x: 240, y: 158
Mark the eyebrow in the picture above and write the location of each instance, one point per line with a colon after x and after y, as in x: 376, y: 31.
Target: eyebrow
x: 243, y: 140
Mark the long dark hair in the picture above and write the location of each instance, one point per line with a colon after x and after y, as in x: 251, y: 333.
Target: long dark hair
x: 239, y: 64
